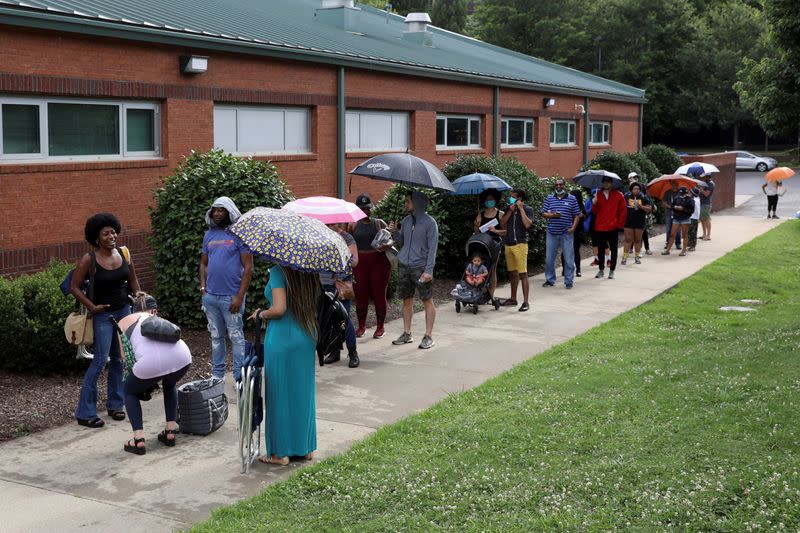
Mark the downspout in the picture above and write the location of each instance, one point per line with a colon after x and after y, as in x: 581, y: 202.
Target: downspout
x: 496, y: 123
x: 340, y: 134
x: 641, y: 123
x: 585, y: 129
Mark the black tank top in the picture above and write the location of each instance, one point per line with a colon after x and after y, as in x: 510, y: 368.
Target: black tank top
x: 485, y: 219
x: 364, y: 233
x: 111, y: 286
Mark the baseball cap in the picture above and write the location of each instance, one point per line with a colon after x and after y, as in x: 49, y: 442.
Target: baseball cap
x: 633, y: 175
x: 364, y: 200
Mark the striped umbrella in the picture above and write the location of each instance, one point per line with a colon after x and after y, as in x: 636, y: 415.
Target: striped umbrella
x: 696, y: 168
x: 326, y: 209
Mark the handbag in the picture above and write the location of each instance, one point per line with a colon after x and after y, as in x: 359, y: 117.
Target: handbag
x: 78, y: 327
x: 345, y: 290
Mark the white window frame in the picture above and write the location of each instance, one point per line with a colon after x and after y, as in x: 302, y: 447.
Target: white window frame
x: 284, y: 109
x: 504, y: 122
x: 605, y: 133
x: 395, y: 147
x: 572, y: 127
x: 44, y: 143
x: 469, y: 119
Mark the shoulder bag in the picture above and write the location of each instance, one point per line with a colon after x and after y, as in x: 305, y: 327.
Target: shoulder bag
x: 78, y: 327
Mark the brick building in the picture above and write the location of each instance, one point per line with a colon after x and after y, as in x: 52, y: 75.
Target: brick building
x: 99, y: 100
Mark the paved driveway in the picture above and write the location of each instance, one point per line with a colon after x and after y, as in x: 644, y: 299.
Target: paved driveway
x: 752, y: 202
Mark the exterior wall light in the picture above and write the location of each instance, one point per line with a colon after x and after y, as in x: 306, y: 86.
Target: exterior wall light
x: 194, y: 64
x: 549, y: 102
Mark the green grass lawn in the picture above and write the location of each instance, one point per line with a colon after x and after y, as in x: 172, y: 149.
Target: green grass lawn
x: 673, y: 416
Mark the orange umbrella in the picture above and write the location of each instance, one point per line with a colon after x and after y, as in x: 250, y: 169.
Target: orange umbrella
x: 659, y: 186
x: 779, y: 174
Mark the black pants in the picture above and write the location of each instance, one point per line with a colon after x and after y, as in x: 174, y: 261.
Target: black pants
x: 772, y: 203
x: 604, y: 240
x: 135, y: 386
x: 577, y: 240
x: 645, y: 239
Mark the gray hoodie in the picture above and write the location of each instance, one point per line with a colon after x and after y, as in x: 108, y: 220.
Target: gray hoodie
x: 227, y: 203
x: 418, y: 236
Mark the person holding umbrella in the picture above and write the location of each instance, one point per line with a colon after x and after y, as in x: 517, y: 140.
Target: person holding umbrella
x: 490, y: 214
x: 682, y: 207
x: 608, y: 206
x: 666, y: 202
x: 418, y: 239
x: 773, y: 187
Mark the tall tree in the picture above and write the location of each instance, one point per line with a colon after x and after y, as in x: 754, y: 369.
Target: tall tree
x: 450, y: 14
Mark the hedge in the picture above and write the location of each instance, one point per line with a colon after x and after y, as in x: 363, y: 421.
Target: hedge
x: 32, y: 312
x: 663, y: 157
x: 178, y: 221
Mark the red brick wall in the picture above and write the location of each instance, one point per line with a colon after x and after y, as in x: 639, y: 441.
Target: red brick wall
x: 724, y: 181
x: 57, y: 198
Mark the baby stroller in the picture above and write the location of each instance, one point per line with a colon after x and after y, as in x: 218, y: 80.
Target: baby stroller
x: 250, y: 401
x: 488, y: 248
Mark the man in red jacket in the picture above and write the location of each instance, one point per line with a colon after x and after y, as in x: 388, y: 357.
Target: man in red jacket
x: 608, y: 206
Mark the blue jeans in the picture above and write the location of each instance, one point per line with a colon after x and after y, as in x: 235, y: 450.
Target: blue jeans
x: 106, y: 349
x: 220, y: 320
x: 350, y: 331
x: 565, y: 241
x: 669, y: 230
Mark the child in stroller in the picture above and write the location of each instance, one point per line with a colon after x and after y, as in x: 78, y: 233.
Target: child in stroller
x: 475, y: 286
x: 476, y: 272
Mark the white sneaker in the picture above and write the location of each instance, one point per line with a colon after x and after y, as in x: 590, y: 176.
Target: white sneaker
x: 610, y: 274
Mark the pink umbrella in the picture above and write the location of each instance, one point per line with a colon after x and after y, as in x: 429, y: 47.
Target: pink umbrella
x: 326, y: 209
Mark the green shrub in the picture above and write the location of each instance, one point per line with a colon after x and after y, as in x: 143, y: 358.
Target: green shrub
x: 32, y: 311
x: 178, y: 221
x: 619, y: 163
x: 663, y: 157
x: 456, y: 214
x: 648, y: 170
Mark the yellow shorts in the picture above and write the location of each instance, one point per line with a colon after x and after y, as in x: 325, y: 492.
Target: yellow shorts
x: 517, y: 258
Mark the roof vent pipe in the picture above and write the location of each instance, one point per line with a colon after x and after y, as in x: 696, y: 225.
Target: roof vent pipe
x: 330, y: 4
x: 417, y: 22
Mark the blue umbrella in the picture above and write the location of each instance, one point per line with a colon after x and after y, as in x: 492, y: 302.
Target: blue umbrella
x: 477, y: 183
x: 291, y: 240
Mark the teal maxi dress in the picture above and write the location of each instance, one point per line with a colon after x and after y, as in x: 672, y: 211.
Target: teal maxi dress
x: 289, y: 359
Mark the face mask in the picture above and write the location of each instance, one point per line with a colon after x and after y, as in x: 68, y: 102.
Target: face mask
x: 490, y: 204
x: 512, y: 201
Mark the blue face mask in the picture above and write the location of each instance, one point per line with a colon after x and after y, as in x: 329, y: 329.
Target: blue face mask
x: 490, y: 204
x: 512, y: 201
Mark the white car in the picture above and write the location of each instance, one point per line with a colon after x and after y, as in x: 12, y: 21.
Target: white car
x: 748, y: 161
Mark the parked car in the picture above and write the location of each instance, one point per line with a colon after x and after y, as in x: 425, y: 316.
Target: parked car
x: 748, y: 161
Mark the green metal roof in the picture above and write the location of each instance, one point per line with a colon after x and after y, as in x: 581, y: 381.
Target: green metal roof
x: 293, y: 29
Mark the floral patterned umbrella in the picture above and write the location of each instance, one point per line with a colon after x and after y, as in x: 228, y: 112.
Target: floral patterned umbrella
x: 292, y: 240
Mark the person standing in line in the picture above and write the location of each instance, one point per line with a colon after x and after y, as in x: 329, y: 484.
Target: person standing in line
x: 694, y: 220
x: 633, y: 177
x: 418, y: 239
x: 638, y: 206
x: 111, y: 278
x: 517, y: 221
x: 563, y: 215
x: 771, y: 189
x: 330, y: 283
x: 608, y: 206
x: 577, y: 235
x: 666, y: 202
x: 488, y: 199
x: 372, y: 271
x: 290, y: 347
x: 682, y: 208
x: 226, y: 265
x: 706, y: 194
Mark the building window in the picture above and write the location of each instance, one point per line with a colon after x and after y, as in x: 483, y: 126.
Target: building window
x: 376, y: 130
x: 599, y: 132
x: 262, y: 130
x: 516, y: 132
x: 458, y: 131
x: 562, y: 132
x: 77, y: 130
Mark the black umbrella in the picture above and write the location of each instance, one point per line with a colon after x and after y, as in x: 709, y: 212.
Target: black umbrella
x: 592, y: 179
x: 406, y: 169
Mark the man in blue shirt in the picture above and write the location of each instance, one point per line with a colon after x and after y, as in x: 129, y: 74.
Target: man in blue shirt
x: 563, y: 214
x: 226, y: 265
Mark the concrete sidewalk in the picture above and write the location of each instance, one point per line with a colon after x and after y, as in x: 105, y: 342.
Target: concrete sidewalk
x: 72, y: 478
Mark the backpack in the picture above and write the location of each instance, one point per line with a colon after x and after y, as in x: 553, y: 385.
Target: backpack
x: 331, y: 323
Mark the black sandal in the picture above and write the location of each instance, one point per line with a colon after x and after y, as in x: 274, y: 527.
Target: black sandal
x: 117, y: 415
x: 91, y: 422
x: 162, y: 437
x: 135, y: 449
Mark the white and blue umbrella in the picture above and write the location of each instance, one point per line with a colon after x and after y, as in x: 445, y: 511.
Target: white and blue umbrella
x: 477, y: 183
x: 696, y: 169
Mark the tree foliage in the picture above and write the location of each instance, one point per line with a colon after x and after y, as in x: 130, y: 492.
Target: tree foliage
x: 663, y: 157
x: 450, y: 15
x: 178, y: 221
